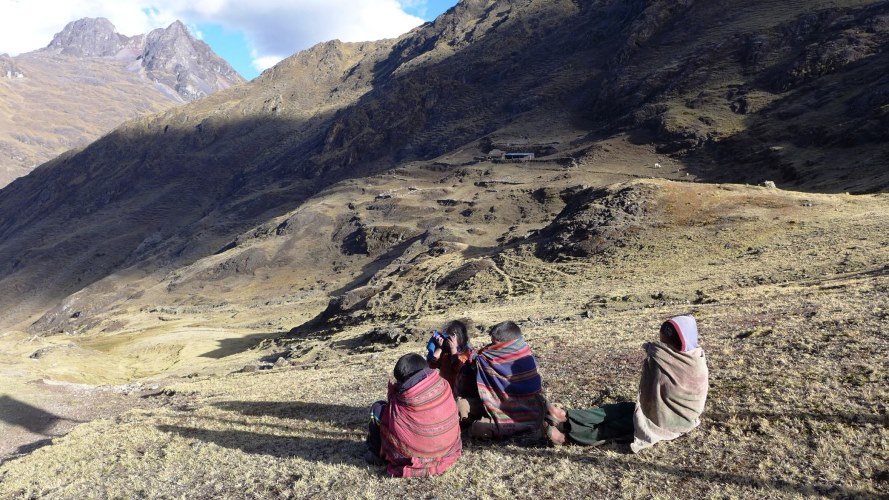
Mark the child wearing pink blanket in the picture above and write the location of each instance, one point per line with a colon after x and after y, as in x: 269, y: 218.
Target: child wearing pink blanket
x: 417, y: 431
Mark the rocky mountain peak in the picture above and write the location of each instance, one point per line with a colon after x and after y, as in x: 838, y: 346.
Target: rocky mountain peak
x: 49, y: 96
x: 169, y: 56
x: 189, y: 66
x: 88, y: 37
x: 166, y: 47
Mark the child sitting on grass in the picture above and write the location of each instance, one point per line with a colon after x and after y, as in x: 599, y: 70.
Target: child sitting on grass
x: 509, y: 399
x: 416, y: 432
x: 450, y: 352
x: 672, y: 393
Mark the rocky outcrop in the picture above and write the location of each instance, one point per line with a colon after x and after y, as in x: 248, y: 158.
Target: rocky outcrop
x: 595, y: 221
x: 169, y: 56
x: 174, y: 58
x: 375, y: 240
x: 88, y: 38
x: 464, y: 273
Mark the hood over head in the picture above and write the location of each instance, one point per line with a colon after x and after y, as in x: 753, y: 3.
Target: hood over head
x: 687, y: 328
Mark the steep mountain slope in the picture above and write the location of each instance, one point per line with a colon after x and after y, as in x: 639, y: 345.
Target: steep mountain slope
x: 794, y: 92
x: 90, y: 79
x: 164, y: 191
x: 237, y: 157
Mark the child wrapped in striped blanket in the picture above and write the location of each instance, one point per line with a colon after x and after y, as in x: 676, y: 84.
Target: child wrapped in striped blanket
x: 509, y: 387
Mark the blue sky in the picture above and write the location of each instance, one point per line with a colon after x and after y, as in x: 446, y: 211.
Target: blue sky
x: 234, y: 47
x: 252, y: 35
x: 230, y: 45
x: 428, y: 10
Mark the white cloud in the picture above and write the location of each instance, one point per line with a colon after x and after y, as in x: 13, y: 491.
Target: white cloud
x: 27, y: 25
x: 263, y: 63
x: 195, y: 32
x: 421, y: 7
x: 278, y: 28
x: 274, y: 28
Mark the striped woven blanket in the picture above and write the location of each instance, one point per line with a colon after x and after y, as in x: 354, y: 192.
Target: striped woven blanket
x: 420, y: 428
x: 510, y: 386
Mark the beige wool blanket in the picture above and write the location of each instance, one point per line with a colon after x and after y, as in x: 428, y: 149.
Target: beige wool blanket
x: 672, y: 394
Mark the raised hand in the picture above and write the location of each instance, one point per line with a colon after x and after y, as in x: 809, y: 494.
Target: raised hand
x: 452, y: 344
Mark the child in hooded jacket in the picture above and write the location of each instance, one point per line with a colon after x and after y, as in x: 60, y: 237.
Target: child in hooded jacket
x: 672, y: 393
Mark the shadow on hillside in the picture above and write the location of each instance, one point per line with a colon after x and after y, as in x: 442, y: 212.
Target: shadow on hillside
x: 26, y: 449
x: 34, y: 419
x: 820, y: 130
x: 378, y: 263
x: 321, y: 446
x: 790, y: 142
x: 167, y: 192
x: 316, y: 449
x: 237, y: 345
x: 632, y: 466
x: 342, y: 415
x: 33, y: 446
x: 231, y: 422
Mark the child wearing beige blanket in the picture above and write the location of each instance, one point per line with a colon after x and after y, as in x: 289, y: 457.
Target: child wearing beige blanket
x: 672, y: 394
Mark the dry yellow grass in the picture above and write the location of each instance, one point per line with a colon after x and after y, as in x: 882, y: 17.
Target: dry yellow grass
x: 788, y: 415
x: 790, y: 290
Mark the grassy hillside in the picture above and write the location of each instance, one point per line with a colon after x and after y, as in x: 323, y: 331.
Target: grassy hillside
x: 40, y: 119
x: 797, y: 382
x: 561, y: 78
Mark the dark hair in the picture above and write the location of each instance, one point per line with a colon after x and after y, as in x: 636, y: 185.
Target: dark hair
x: 507, y: 330
x: 670, y: 335
x: 457, y: 329
x: 408, y: 365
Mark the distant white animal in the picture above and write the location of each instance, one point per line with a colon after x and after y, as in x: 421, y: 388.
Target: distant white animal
x: 657, y: 165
